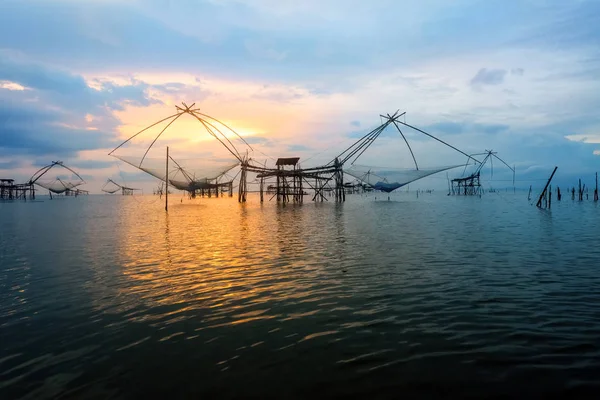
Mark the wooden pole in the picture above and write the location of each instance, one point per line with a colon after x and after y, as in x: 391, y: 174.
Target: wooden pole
x: 550, y: 197
x: 539, y: 202
x: 167, y: 182
x: 262, y: 185
x: 596, y: 189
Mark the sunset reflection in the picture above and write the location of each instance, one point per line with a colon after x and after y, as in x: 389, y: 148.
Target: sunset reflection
x: 218, y: 260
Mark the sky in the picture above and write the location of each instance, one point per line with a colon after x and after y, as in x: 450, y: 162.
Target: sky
x: 303, y: 79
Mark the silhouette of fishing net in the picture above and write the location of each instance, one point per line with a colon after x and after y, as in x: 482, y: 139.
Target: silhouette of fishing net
x: 58, y: 183
x: 390, y: 179
x: 187, y: 175
x: 111, y: 187
x: 206, y: 150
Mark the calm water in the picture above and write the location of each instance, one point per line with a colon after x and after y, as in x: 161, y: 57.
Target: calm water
x: 439, y: 296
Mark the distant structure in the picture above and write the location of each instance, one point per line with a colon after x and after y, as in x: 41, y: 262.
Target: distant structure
x: 112, y: 187
x: 76, y: 192
x: 471, y: 185
x: 9, y: 190
x: 57, y: 185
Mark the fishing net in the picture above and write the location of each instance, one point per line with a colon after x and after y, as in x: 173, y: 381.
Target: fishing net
x: 389, y: 179
x: 187, y: 175
x: 111, y: 187
x: 57, y: 178
x: 58, y: 185
x: 202, y: 150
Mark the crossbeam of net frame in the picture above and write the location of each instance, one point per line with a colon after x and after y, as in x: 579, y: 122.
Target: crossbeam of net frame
x: 42, y: 171
x: 489, y: 156
x: 361, y: 145
x: 207, y: 122
x: 190, y: 178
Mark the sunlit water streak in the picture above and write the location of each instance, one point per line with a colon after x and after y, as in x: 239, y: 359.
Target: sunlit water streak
x: 108, y: 296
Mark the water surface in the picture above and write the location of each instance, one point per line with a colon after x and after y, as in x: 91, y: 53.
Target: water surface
x: 110, y: 297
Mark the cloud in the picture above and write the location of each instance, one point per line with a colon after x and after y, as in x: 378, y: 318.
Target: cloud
x: 6, y: 165
x: 78, y: 75
x: 91, y: 164
x: 60, y: 114
x: 488, y: 77
x: 298, y: 147
x: 584, y: 138
x: 264, y: 50
x: 454, y: 128
x: 257, y: 140
x: 446, y: 127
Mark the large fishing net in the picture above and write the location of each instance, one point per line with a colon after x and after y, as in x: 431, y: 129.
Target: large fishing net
x: 202, y: 150
x: 190, y: 174
x: 111, y: 187
x: 57, y: 178
x: 389, y: 179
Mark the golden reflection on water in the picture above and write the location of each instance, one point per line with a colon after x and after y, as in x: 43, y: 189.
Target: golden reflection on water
x: 225, y: 258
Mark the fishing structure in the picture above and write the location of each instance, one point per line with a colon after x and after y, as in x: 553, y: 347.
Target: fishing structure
x: 57, y: 185
x: 112, y: 187
x: 545, y: 199
x: 470, y: 185
x: 329, y: 178
x: 76, y: 192
x: 9, y: 190
x: 286, y: 181
x: 388, y: 179
x: 196, y: 177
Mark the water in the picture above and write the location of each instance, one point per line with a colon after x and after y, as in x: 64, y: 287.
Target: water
x: 107, y: 296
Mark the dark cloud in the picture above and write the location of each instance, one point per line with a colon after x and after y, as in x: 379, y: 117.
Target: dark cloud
x: 49, y: 118
x: 517, y: 71
x: 488, y: 77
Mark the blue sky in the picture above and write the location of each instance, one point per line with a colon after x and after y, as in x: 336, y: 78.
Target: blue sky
x: 301, y: 78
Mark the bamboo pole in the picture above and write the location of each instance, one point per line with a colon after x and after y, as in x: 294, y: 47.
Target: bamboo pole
x: 167, y: 182
x: 539, y: 202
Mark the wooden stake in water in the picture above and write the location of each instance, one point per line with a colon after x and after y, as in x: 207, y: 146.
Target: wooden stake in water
x: 167, y: 182
x: 539, y: 202
x: 596, y: 190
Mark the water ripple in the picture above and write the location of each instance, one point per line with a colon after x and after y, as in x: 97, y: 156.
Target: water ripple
x: 461, y: 296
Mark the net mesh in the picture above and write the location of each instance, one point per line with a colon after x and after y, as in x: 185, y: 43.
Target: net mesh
x: 110, y: 187
x: 390, y: 179
x: 58, y: 185
x: 184, y: 174
x: 57, y: 178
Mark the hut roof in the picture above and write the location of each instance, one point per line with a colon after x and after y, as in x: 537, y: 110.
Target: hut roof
x: 287, y: 161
